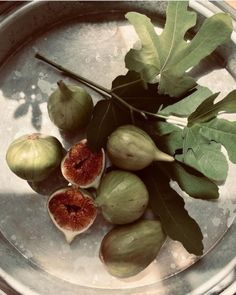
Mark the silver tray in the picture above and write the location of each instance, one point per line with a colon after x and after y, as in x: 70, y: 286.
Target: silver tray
x: 92, y: 38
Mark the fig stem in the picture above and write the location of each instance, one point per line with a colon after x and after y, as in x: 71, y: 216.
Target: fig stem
x: 161, y: 156
x: 64, y: 89
x: 102, y: 90
x: 127, y: 84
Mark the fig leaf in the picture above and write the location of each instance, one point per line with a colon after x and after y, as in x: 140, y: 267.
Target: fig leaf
x: 107, y: 116
x: 207, y: 110
x: 188, y: 105
x: 168, y: 205
x: 199, y: 146
x: 138, y: 94
x: 221, y: 131
x: 208, y: 159
x: 201, y: 149
x: 101, y: 125
x: 168, y: 56
x: 195, y: 184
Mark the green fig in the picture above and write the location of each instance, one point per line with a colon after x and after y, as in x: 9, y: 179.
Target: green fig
x: 122, y: 197
x: 70, y: 107
x: 131, y: 148
x: 34, y: 156
x: 53, y: 182
x: 128, y: 249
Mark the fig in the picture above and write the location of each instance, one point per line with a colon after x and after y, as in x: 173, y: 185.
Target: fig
x: 53, y: 182
x: 82, y: 167
x: 128, y: 249
x: 33, y: 157
x: 122, y: 197
x: 131, y: 148
x: 70, y: 107
x: 72, y: 211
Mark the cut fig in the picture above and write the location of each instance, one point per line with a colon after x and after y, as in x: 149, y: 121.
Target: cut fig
x: 72, y: 211
x: 82, y: 167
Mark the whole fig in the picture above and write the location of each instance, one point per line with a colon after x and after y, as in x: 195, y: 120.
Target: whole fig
x: 33, y: 157
x: 131, y: 148
x: 50, y: 184
x: 127, y: 250
x: 122, y: 197
x: 70, y: 107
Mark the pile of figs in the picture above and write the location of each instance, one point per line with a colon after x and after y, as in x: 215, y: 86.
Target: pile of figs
x: 78, y: 186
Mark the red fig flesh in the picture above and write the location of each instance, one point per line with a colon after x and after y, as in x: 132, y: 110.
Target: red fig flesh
x: 72, y: 211
x: 82, y: 167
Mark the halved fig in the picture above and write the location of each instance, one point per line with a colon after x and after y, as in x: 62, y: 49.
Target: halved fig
x: 82, y: 167
x: 72, y: 211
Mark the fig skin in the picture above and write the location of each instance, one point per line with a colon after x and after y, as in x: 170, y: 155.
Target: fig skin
x: 122, y: 197
x: 128, y: 249
x: 83, y: 168
x: 34, y: 156
x: 53, y: 182
x: 72, y: 211
x: 70, y: 107
x: 131, y: 148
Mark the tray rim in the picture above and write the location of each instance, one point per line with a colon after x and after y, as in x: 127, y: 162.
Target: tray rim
x: 17, y: 285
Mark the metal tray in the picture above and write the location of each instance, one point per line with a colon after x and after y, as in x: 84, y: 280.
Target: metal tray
x: 92, y: 39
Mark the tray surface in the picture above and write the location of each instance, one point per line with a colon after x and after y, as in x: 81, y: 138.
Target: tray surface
x: 93, y: 45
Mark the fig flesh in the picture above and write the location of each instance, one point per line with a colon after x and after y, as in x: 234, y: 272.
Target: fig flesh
x: 122, y: 197
x: 72, y: 211
x: 82, y: 167
x: 128, y: 249
x: 34, y: 156
x: 70, y: 107
x: 131, y: 148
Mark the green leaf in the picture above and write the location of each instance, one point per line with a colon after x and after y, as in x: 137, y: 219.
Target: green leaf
x: 132, y: 89
x: 208, y: 159
x: 169, y: 206
x: 107, y: 116
x: 188, y: 105
x: 201, y: 151
x: 101, y: 125
x: 169, y: 55
x: 208, y: 110
x: 129, y: 84
x: 190, y: 181
x: 221, y: 131
x: 192, y: 138
x: 202, y: 154
x: 142, y: 96
x: 166, y: 136
x: 197, y: 146
x: 172, y: 142
x: 164, y: 128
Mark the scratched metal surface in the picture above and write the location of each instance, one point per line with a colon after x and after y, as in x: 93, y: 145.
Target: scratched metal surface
x: 92, y: 39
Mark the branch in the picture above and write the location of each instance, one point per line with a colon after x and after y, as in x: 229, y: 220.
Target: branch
x: 100, y: 89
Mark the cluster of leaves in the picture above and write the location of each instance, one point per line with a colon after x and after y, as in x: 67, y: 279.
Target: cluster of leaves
x: 157, y: 82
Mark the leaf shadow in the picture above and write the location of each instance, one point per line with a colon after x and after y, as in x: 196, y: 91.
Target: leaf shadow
x: 206, y: 66
x: 21, y: 110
